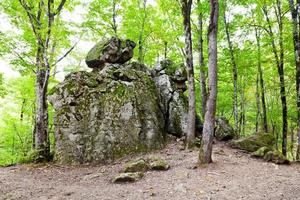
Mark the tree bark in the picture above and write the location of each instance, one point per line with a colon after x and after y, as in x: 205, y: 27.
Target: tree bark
x: 234, y: 73
x: 261, y: 80
x: 201, y: 61
x: 209, y: 122
x: 186, y: 12
x: 296, y: 41
x: 280, y: 68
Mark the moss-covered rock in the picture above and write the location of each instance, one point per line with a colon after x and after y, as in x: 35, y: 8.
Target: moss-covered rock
x: 127, y: 177
x: 261, y: 152
x: 276, y: 157
x: 157, y: 163
x: 139, y: 165
x: 113, y: 50
x: 254, y: 142
x: 103, y: 116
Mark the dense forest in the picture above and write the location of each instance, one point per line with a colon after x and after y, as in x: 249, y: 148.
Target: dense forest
x: 193, y: 99
x: 242, y: 59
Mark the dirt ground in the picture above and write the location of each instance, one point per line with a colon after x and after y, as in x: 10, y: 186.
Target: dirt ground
x: 233, y: 175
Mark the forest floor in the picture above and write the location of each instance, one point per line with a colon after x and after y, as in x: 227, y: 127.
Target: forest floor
x: 233, y: 175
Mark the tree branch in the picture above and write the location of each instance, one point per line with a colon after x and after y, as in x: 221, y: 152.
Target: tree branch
x: 66, y: 54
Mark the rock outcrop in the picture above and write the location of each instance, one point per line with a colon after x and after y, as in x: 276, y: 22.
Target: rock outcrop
x: 102, y: 116
x: 170, y: 80
x: 112, y: 51
x: 117, y: 109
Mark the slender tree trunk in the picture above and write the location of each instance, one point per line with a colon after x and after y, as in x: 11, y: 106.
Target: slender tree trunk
x: 209, y: 122
x: 166, y: 49
x: 42, y: 144
x: 201, y: 61
x: 261, y: 80
x: 296, y: 42
x: 186, y: 12
x: 42, y: 33
x: 258, y: 113
x: 280, y: 68
x: 22, y: 110
x: 234, y: 73
x: 243, y: 111
x: 141, y: 48
x: 114, y: 16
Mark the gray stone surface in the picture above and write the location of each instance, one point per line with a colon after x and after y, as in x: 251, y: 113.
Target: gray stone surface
x: 224, y: 131
x: 170, y: 80
x: 103, y: 116
x: 110, y: 51
x: 118, y: 109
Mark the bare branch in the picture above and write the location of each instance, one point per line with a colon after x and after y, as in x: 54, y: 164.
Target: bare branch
x: 59, y: 8
x: 66, y: 54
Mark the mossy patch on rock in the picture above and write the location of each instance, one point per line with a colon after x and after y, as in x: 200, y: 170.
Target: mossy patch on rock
x: 105, y: 115
x: 276, y: 157
x: 127, y: 177
x: 260, y: 153
x: 254, y: 142
x: 139, y: 165
x: 157, y: 163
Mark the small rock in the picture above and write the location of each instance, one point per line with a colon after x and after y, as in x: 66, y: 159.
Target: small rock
x: 180, y: 188
x: 136, y: 166
x: 91, y: 176
x: 261, y: 152
x: 127, y: 177
x: 276, y: 157
x: 156, y: 163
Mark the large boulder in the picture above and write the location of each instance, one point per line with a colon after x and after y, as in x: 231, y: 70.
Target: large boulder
x: 118, y: 108
x: 102, y: 116
x: 224, y: 131
x: 110, y: 51
x: 254, y: 142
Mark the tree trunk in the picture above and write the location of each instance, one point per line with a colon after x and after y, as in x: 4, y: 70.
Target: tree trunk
x: 141, y: 48
x: 261, y: 80
x: 280, y: 65
x: 296, y: 42
x: 186, y: 12
x: 42, y: 144
x: 243, y: 112
x: 234, y: 73
x: 201, y: 62
x: 209, y: 122
x: 166, y: 49
x: 257, y: 96
x: 114, y: 16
